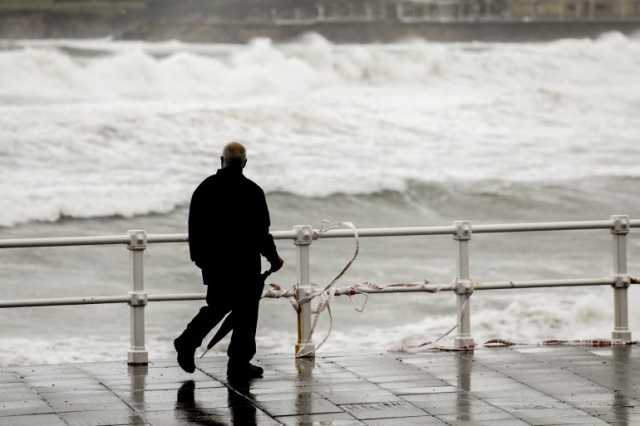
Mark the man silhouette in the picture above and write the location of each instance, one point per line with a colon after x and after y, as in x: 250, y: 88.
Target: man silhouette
x: 228, y: 231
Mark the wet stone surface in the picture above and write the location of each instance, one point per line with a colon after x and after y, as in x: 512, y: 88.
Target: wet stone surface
x: 511, y: 386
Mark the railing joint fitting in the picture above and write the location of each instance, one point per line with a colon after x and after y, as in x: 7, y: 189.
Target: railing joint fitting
x: 464, y: 287
x: 621, y: 225
x: 305, y: 234
x: 137, y: 240
x: 462, y: 231
x: 621, y: 281
x: 138, y: 298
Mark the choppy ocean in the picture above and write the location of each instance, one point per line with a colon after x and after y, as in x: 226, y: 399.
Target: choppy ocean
x: 98, y: 137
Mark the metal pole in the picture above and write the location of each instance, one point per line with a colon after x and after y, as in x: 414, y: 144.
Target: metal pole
x: 304, y: 236
x: 138, y: 354
x: 619, y: 231
x: 464, y: 288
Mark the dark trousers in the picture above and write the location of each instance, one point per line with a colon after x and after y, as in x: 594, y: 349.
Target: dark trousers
x: 239, y: 295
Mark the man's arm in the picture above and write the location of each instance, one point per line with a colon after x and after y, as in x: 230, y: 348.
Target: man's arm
x: 267, y: 245
x: 195, y: 227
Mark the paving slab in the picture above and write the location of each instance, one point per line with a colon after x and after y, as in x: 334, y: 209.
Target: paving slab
x: 103, y: 418
x: 32, y: 419
x: 331, y: 419
x: 311, y: 405
x: 383, y: 410
x: 407, y: 421
x: 350, y: 397
x: 543, y: 386
x: 24, y: 407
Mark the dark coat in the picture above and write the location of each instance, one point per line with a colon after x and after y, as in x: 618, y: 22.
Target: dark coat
x: 229, y: 225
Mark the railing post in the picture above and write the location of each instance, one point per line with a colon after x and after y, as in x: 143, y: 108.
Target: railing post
x: 619, y: 230
x: 304, y: 237
x: 137, y: 352
x: 464, y: 288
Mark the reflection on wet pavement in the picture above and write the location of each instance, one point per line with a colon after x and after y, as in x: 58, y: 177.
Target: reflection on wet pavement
x: 509, y: 386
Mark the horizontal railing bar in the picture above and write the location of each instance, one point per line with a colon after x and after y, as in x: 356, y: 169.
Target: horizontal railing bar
x: 426, y: 230
x: 334, y: 233
x: 477, y: 229
x: 391, y: 290
x: 183, y: 238
x: 541, y: 226
x: 502, y: 285
x: 491, y: 285
x: 175, y: 297
x: 65, y: 241
x: 167, y: 238
x: 390, y: 232
x: 64, y: 301
x: 494, y: 285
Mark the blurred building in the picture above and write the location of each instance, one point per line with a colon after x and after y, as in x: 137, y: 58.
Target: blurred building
x: 426, y: 10
x: 575, y: 8
x: 237, y: 21
x: 340, y: 10
x: 105, y: 7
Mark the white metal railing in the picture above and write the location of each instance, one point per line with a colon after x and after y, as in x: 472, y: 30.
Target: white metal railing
x: 303, y: 237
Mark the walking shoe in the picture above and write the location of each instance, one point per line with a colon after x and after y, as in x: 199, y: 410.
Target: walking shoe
x: 186, y: 354
x: 247, y: 370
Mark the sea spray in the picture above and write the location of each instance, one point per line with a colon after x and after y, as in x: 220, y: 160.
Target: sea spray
x: 412, y: 133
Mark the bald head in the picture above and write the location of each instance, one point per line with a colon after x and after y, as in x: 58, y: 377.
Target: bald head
x: 234, y: 155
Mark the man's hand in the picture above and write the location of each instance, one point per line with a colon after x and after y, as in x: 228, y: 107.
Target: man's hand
x: 277, y: 265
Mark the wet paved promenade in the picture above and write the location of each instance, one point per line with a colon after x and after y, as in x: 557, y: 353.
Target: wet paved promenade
x: 517, y: 386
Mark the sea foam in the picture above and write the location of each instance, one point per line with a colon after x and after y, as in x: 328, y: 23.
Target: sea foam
x: 130, y: 128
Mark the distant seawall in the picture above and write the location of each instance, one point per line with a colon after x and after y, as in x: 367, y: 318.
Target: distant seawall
x: 139, y: 26
x: 367, y: 32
